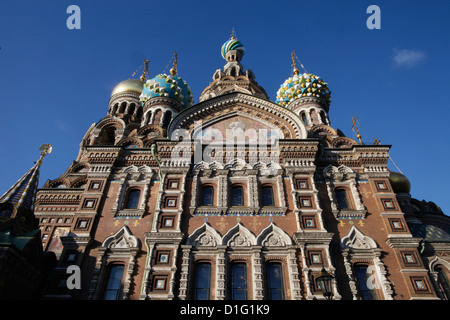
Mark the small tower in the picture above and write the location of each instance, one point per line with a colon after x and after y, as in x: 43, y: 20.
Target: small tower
x: 233, y: 77
x: 23, y: 266
x: 124, y: 102
x: 164, y: 96
x: 307, y: 95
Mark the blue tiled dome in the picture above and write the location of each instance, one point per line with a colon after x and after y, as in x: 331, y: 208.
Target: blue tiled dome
x: 170, y: 86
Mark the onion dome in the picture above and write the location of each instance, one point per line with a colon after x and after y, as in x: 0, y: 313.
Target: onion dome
x: 304, y: 85
x: 130, y: 85
x: 399, y: 182
x: 232, y: 44
x: 170, y: 86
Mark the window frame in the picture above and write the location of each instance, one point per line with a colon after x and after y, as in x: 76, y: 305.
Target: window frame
x: 126, y: 204
x: 269, y: 281
x: 236, y: 289
x: 272, y: 195
x: 242, y: 202
x: 202, y: 196
x: 207, y: 289
x: 108, y: 279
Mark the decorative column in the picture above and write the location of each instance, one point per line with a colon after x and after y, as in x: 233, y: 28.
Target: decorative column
x: 294, y: 274
x: 184, y: 274
x: 258, y: 291
x: 220, y: 274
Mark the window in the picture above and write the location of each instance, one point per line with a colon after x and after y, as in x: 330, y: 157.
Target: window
x: 207, y: 196
x: 365, y: 288
x: 239, y: 281
x: 342, y: 199
x: 202, y: 281
x: 443, y: 283
x: 274, y: 274
x: 305, y: 121
x: 237, y: 196
x: 114, y: 283
x: 133, y: 199
x: 267, y: 196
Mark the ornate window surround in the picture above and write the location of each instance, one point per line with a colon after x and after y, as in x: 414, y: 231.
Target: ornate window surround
x: 240, y: 243
x: 357, y: 247
x: 122, y: 247
x: 133, y: 177
x: 344, y: 177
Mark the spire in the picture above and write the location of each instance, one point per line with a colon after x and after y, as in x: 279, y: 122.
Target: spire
x: 22, y: 193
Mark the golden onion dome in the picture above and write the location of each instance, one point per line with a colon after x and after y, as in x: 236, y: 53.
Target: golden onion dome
x: 130, y: 85
x: 399, y: 182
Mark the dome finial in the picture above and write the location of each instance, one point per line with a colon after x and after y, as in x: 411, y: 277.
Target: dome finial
x: 45, y: 149
x: 173, y: 71
x: 355, y: 128
x: 145, y: 72
x: 294, y: 67
x: 233, y: 34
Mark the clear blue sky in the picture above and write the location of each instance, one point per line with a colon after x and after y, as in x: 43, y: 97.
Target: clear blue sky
x: 56, y: 82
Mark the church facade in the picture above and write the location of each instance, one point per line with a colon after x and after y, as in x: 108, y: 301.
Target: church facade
x: 236, y: 197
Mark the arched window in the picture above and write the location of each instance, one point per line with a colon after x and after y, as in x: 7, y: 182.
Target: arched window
x: 443, y: 283
x: 202, y: 281
x: 274, y: 277
x: 109, y: 135
x: 239, y: 281
x: 323, y: 118
x: 305, y: 121
x: 365, y: 288
x: 267, y: 196
x: 114, y: 283
x: 133, y: 199
x: 167, y: 118
x: 148, y: 117
x: 158, y: 116
x: 207, y: 196
x: 237, y: 196
x: 131, y: 109
x: 123, y: 106
x: 341, y: 196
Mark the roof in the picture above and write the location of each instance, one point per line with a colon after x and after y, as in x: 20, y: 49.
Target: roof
x: 429, y: 232
x: 21, y: 194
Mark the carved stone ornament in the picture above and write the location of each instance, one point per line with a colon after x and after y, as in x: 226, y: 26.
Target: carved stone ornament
x: 340, y: 173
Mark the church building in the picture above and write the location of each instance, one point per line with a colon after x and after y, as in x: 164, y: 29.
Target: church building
x: 236, y: 197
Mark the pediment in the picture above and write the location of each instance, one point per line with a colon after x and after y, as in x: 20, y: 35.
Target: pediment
x: 250, y: 112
